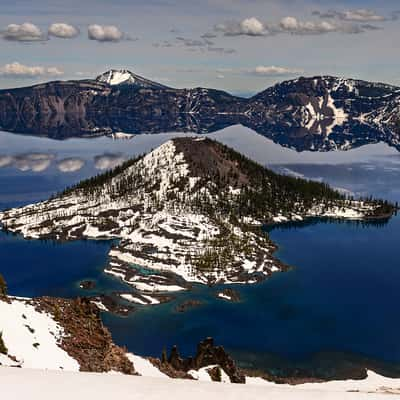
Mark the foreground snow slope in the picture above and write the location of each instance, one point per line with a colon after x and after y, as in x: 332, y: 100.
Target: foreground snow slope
x: 46, y: 385
x: 32, y: 338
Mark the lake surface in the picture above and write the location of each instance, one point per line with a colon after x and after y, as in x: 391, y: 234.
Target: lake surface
x: 341, y: 297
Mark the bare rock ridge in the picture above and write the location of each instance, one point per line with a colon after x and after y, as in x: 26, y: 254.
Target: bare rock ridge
x: 320, y: 113
x: 190, y: 211
x: 207, y: 355
x: 54, y: 333
x: 86, y: 339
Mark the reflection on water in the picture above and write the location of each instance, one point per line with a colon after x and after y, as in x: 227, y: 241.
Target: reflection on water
x: 33, y: 168
x: 325, y: 134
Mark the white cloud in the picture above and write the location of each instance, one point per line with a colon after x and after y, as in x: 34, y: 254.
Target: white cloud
x: 289, y: 23
x: 108, y: 160
x: 274, y: 71
x: 247, y: 27
x: 6, y: 161
x: 348, y: 22
x: 25, y: 32
x: 293, y: 25
x: 252, y: 27
x: 261, y: 70
x: 39, y: 162
x: 361, y: 15
x: 54, y: 71
x: 36, y: 162
x: 105, y: 33
x: 64, y: 31
x: 70, y: 164
x: 17, y: 70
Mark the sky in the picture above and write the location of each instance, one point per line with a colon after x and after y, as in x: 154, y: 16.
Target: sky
x: 242, y: 46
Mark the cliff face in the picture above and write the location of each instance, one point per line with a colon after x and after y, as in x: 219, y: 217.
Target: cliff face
x: 52, y: 333
x: 59, y: 107
x: 90, y: 108
x: 320, y: 113
x: 213, y: 360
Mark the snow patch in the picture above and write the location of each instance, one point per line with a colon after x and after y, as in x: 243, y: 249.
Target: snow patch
x: 33, y: 338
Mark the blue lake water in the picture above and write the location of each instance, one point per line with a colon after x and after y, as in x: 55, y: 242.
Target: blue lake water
x: 35, y: 268
x: 341, y: 296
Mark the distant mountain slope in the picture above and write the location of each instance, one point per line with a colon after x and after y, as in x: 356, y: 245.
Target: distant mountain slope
x: 190, y: 211
x: 320, y: 113
x: 327, y: 113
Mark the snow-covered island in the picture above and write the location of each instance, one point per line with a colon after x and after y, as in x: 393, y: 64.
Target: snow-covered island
x: 190, y: 211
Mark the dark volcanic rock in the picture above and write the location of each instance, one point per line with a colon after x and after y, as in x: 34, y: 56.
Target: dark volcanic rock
x: 187, y: 305
x: 207, y: 354
x: 233, y: 294
x: 215, y: 374
x: 113, y: 306
x: 87, y: 285
x: 86, y: 339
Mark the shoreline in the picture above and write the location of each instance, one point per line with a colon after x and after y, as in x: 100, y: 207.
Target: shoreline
x: 298, y: 380
x: 352, y: 367
x: 156, y: 286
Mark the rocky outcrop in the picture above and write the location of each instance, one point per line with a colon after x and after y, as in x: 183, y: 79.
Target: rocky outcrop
x: 229, y: 294
x: 85, y: 337
x: 207, y: 355
x: 66, y: 334
x: 87, y: 285
x: 187, y: 305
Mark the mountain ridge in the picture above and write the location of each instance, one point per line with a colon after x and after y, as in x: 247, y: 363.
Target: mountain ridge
x: 317, y: 114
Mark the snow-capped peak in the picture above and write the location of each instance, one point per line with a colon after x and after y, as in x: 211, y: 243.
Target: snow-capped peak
x: 117, y: 77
